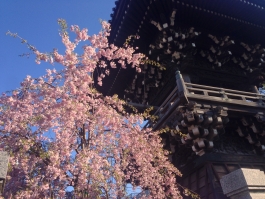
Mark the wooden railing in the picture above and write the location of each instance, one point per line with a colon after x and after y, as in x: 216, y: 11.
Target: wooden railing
x: 234, y: 100
x: 223, y: 95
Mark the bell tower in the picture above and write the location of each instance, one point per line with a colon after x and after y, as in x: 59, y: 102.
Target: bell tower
x: 207, y: 96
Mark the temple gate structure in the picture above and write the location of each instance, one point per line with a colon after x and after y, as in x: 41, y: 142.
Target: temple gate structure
x: 214, y: 55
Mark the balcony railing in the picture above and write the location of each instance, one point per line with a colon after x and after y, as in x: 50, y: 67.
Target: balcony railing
x: 233, y: 100
x: 208, y: 93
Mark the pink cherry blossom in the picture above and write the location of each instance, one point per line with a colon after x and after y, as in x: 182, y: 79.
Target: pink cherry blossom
x: 61, y: 132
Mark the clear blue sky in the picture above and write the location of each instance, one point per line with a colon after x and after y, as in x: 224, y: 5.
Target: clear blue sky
x: 36, y: 21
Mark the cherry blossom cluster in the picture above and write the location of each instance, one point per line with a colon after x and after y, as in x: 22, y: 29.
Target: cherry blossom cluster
x: 60, y: 131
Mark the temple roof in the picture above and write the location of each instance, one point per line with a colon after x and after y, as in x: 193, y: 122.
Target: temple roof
x: 242, y: 19
x: 209, y: 25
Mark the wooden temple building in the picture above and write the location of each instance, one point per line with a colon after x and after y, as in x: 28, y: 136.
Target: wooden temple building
x: 214, y: 55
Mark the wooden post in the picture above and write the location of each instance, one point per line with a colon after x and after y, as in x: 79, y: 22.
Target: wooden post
x: 254, y: 89
x: 181, y: 85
